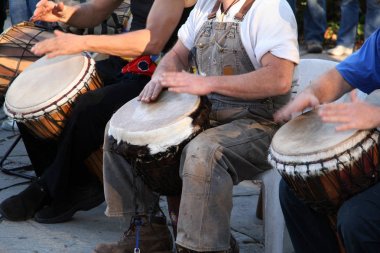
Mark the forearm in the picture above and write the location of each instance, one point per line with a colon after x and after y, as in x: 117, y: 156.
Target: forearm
x: 89, y: 14
x: 329, y: 87
x: 130, y: 44
x: 173, y: 61
x: 265, y: 82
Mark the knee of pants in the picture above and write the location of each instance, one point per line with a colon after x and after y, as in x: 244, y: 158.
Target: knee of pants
x: 197, y: 156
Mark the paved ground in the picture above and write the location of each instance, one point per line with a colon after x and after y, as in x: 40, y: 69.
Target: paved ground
x: 89, y: 228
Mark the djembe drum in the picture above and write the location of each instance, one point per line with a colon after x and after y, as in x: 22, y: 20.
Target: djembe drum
x: 151, y: 136
x: 325, y: 167
x: 15, y: 54
x: 41, y: 97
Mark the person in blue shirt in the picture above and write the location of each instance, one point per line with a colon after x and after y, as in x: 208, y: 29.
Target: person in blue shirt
x: 358, y: 220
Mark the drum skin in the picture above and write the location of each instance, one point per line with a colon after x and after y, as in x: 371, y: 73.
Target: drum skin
x: 325, y: 167
x: 15, y: 54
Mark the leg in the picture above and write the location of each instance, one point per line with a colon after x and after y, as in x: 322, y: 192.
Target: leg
x: 359, y: 221
x: 127, y: 196
x: 315, y: 25
x: 372, y: 17
x: 83, y: 133
x: 211, y: 164
x: 41, y: 152
x: 348, y: 23
x: 18, y: 11
x: 309, y: 230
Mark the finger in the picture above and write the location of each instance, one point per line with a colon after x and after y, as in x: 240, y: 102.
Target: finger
x: 345, y: 127
x: 354, y: 96
x: 58, y: 33
x: 156, y: 91
x: 59, y: 7
x: 335, y: 118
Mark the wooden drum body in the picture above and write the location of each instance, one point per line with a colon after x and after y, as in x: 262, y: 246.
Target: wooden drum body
x: 325, y: 167
x: 15, y: 54
x: 151, y: 136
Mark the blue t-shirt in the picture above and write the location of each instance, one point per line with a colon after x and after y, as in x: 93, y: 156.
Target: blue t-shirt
x: 362, y: 69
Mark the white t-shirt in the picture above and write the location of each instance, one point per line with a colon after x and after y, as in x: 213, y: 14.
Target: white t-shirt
x: 269, y: 26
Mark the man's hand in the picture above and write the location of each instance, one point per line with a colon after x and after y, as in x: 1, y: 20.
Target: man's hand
x: 61, y: 44
x: 184, y: 82
x: 151, y: 90
x: 356, y: 114
x: 301, y: 102
x: 49, y: 11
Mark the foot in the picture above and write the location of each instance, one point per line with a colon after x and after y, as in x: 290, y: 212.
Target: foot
x: 340, y: 51
x: 24, y: 205
x: 314, y: 47
x: 234, y: 248
x: 154, y: 237
x: 81, y: 198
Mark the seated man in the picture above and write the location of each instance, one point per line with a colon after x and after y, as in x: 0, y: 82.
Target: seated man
x: 245, y: 62
x: 358, y: 222
x: 65, y: 185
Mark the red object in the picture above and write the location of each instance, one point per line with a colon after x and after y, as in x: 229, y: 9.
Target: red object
x: 142, y: 65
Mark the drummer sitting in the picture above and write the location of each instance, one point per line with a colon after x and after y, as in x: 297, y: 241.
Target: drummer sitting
x: 246, y: 71
x: 358, y: 223
x: 65, y: 185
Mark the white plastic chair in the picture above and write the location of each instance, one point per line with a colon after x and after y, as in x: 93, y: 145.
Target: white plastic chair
x: 274, y: 224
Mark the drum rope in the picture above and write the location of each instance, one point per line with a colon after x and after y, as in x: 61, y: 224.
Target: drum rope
x: 136, y: 219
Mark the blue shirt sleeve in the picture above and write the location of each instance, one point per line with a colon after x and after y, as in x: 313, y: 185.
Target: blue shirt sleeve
x: 362, y: 69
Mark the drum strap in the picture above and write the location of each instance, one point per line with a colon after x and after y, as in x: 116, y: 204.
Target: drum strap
x: 143, y: 65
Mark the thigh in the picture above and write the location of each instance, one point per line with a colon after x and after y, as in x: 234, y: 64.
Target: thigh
x: 240, y: 146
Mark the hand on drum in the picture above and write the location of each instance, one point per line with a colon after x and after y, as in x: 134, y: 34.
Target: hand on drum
x: 151, y: 90
x: 184, y: 82
x: 61, y: 44
x: 49, y: 11
x: 356, y: 114
x: 301, y: 102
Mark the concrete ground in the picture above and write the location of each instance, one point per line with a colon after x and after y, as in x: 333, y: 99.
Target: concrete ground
x: 81, y: 234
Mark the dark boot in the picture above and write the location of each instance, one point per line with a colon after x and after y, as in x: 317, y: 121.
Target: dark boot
x: 79, y: 198
x: 234, y: 248
x: 24, y: 205
x: 154, y: 237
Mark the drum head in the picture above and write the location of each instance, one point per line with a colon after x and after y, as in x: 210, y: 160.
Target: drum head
x: 307, y: 135
x: 160, y: 124
x: 47, y: 82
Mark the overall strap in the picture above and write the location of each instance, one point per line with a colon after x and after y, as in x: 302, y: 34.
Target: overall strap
x: 244, y: 9
x: 214, y: 10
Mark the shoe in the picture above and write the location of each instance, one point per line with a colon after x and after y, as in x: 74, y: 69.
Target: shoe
x: 24, y: 205
x: 9, y: 125
x: 234, y: 248
x: 314, y: 47
x: 340, y: 50
x: 81, y: 198
x: 154, y: 237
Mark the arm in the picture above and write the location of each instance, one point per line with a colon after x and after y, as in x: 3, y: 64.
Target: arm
x: 83, y: 15
x: 162, y: 20
x: 175, y: 60
x: 274, y: 78
x: 326, y: 88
